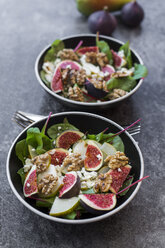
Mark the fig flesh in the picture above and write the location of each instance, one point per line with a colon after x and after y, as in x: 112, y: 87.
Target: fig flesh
x: 84, y: 50
x: 93, y: 91
x: 68, y: 138
x: 118, y: 177
x: 57, y: 85
x: 132, y: 14
x: 98, y: 203
x: 102, y: 21
x: 93, y: 157
x: 116, y: 59
x: 30, y: 184
x: 108, y: 69
x: 58, y: 155
x: 71, y: 185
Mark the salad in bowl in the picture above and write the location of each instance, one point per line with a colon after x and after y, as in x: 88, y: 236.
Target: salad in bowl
x: 90, y: 73
x: 69, y: 173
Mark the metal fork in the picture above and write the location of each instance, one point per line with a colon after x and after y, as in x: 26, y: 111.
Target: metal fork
x: 24, y: 119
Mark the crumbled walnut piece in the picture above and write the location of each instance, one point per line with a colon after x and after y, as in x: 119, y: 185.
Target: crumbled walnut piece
x: 103, y: 183
x: 42, y: 161
x: 116, y: 93
x: 74, y: 162
x: 117, y: 160
x: 78, y: 77
x: 99, y: 84
x: 75, y: 93
x: 119, y: 74
x: 102, y: 59
x: 67, y: 54
x: 91, y: 57
x: 47, y: 184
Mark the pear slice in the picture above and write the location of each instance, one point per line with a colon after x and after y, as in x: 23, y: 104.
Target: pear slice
x: 32, y: 151
x: 62, y: 207
x: 107, y: 149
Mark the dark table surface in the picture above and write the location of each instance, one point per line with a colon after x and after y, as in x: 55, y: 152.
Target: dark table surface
x: 26, y: 27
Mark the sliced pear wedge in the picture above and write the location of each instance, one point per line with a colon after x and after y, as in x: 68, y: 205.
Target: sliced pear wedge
x: 62, y: 207
x: 107, y: 149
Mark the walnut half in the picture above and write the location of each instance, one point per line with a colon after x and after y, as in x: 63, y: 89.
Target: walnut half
x: 47, y: 184
x: 103, y: 183
x: 74, y: 162
x: 117, y: 160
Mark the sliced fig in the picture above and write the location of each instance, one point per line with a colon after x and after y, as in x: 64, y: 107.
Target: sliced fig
x: 57, y: 85
x: 80, y: 147
x: 58, y: 155
x: 71, y: 186
x: 68, y: 138
x: 117, y: 59
x: 98, y: 203
x: 118, y: 177
x: 51, y: 171
x: 93, y: 157
x: 30, y: 184
x: 109, y: 70
x: 84, y: 50
x: 97, y: 93
x: 62, y: 207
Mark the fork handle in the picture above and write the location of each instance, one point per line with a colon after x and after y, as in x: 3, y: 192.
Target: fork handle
x: 32, y: 117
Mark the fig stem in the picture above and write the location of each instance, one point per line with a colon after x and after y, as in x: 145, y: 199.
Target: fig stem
x: 105, y: 8
x: 79, y: 44
x: 132, y: 185
x: 126, y: 128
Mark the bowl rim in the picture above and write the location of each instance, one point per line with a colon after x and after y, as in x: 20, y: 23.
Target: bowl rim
x: 85, y: 104
x: 83, y: 221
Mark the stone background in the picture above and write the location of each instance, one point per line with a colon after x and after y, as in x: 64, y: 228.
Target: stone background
x: 26, y: 27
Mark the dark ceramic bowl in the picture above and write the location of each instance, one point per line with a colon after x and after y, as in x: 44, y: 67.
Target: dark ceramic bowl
x: 93, y: 124
x: 88, y: 40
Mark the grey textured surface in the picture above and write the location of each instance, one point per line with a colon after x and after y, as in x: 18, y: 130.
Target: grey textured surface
x: 28, y: 26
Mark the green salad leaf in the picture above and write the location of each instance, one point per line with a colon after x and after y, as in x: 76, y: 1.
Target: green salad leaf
x: 38, y: 140
x: 42, y: 75
x: 71, y: 216
x: 57, y: 129
x: 56, y: 46
x: 124, y: 83
x: 140, y: 71
x: 45, y: 203
x: 22, y: 175
x: 126, y: 184
x: 127, y: 53
x: 116, y: 141
x: 104, y: 48
x: 21, y: 150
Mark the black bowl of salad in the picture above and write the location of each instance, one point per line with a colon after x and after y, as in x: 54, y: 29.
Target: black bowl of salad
x: 87, y: 71
x: 73, y: 171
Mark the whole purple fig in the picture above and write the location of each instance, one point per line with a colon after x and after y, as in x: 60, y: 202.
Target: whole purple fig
x: 132, y: 14
x: 102, y: 21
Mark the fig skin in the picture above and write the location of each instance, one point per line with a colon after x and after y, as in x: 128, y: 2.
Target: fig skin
x: 97, y: 93
x: 102, y: 21
x: 132, y: 14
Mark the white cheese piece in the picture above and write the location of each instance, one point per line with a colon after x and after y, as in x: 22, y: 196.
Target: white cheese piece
x: 48, y: 67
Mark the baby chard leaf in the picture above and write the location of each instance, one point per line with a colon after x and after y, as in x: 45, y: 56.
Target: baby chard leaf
x: 22, y: 174
x: 104, y: 48
x: 22, y: 150
x: 140, y: 71
x: 127, y: 53
x: 56, y: 46
x: 126, y: 184
x: 124, y: 83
